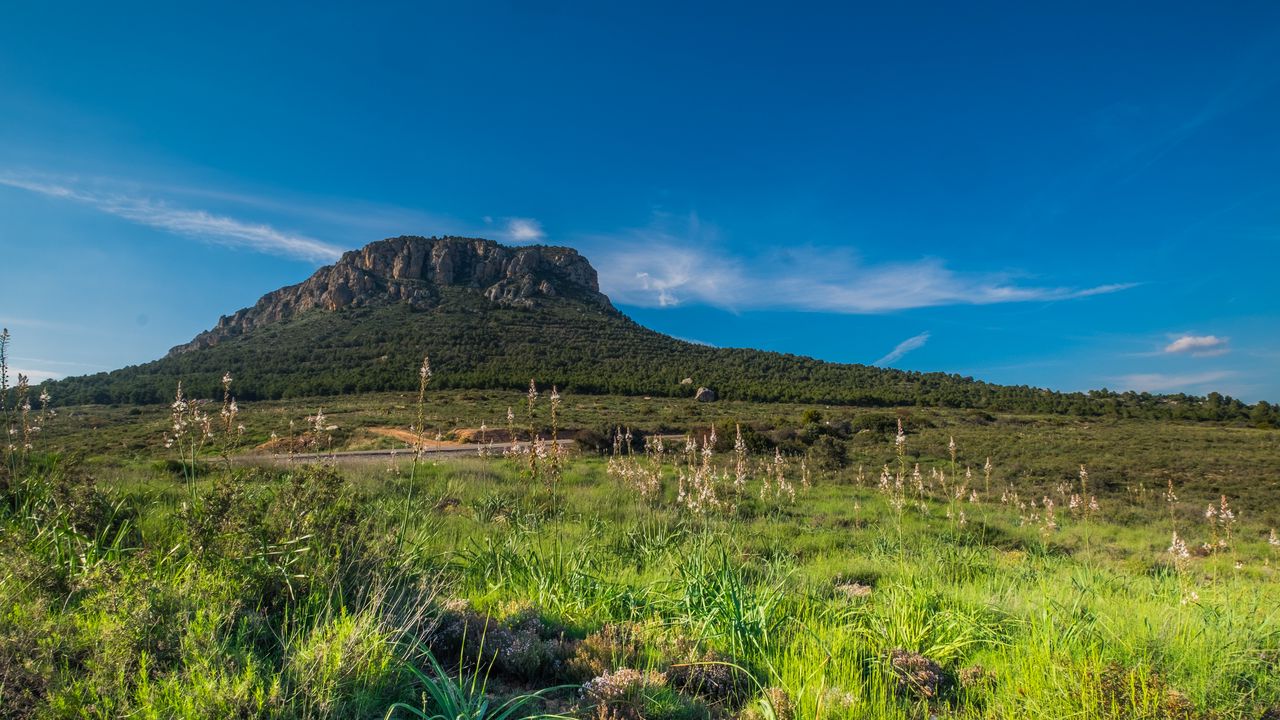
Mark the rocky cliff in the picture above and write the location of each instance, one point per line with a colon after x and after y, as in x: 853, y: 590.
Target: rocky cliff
x: 412, y: 270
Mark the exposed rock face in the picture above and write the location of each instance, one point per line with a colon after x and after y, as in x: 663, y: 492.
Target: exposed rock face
x: 412, y: 270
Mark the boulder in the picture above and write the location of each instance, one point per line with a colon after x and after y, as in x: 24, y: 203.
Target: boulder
x: 705, y: 395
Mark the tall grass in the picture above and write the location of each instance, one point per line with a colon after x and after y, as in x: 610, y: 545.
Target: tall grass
x: 652, y: 584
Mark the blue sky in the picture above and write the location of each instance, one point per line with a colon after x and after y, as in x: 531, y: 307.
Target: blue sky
x: 1071, y: 196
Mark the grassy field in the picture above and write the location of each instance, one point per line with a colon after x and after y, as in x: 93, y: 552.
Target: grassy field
x: 818, y: 564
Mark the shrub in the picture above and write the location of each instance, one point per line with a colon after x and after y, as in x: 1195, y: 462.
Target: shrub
x: 628, y: 694
x: 774, y: 704
x: 712, y: 678
x: 522, y: 646
x: 610, y: 648
x: 830, y: 454
x: 915, y: 675
x: 26, y: 658
x: 343, y: 666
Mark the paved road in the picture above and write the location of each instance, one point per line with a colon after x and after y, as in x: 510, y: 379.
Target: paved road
x: 445, y: 450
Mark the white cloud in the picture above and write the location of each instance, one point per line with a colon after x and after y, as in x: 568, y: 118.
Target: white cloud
x: 198, y: 224
x: 524, y: 230
x: 1198, y: 345
x: 34, y: 376
x: 1164, y: 382
x: 912, y: 343
x: 654, y: 268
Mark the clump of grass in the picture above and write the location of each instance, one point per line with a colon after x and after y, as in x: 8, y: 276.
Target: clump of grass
x: 445, y: 697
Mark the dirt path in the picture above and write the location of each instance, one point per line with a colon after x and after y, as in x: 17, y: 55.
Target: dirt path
x: 409, y: 439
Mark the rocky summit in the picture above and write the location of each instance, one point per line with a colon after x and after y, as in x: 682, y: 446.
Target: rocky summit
x: 412, y: 270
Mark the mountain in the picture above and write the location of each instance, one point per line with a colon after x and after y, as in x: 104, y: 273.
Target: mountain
x: 492, y: 316
x: 416, y: 271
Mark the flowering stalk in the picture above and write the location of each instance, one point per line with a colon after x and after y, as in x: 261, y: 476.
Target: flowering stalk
x: 419, y: 428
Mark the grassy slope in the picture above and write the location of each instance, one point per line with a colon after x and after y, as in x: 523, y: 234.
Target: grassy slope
x: 1039, y: 451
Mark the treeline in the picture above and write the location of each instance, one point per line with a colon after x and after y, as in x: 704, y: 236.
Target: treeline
x: 583, y: 349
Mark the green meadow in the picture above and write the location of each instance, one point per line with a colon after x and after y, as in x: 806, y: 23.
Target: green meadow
x: 802, y: 562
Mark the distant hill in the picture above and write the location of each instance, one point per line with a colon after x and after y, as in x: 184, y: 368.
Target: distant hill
x: 493, y: 316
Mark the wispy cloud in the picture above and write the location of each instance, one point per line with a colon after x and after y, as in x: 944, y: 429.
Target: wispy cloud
x: 34, y: 375
x: 655, y: 268
x: 912, y: 343
x: 524, y: 230
x: 29, y: 322
x: 1171, y: 382
x: 694, y: 341
x: 198, y: 224
x: 1198, y: 345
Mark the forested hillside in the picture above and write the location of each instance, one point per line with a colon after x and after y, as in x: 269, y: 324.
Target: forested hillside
x: 582, y: 348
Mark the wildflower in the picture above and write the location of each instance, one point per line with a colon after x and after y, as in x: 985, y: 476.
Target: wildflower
x: 424, y: 372
x: 1178, y: 548
x: 555, y: 414
x: 739, y: 460
x: 1274, y: 540
x: 1050, y: 520
x: 1225, y: 512
x: 619, y: 685
x: 854, y: 590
